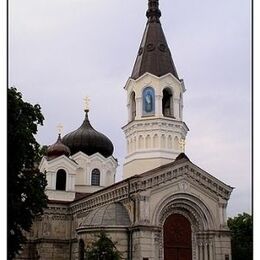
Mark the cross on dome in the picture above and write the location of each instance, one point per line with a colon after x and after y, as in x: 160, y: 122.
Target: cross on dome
x: 60, y: 128
x: 86, y: 103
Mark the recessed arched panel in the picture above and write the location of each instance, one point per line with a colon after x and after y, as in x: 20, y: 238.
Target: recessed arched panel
x: 95, y: 177
x: 140, y: 142
x: 61, y: 180
x: 177, y: 237
x: 169, y: 142
x: 155, y: 141
x: 148, y: 101
x: 148, y: 142
x: 176, y: 143
x: 163, y: 141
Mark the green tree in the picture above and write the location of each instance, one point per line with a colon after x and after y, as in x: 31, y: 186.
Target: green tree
x: 25, y: 184
x: 241, y: 228
x: 103, y: 249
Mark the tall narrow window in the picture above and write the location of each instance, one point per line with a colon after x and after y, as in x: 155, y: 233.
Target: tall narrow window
x: 148, y: 101
x: 95, y: 177
x: 81, y: 250
x: 167, y: 104
x: 61, y: 180
x: 133, y: 106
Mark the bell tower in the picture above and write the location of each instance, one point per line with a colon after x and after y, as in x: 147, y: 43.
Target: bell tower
x: 155, y: 132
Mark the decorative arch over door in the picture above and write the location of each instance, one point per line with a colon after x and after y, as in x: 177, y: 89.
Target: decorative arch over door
x: 177, y: 236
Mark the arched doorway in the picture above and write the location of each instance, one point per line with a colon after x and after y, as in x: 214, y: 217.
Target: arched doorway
x: 177, y: 238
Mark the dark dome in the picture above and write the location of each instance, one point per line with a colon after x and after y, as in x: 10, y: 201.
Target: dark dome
x: 57, y: 149
x: 87, y: 140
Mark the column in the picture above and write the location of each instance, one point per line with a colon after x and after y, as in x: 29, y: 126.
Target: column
x: 200, y: 252
x: 197, y: 251
x: 205, y: 251
x: 210, y: 251
x: 158, y: 105
x: 221, y: 214
x: 129, y: 112
x: 176, y: 108
x: 139, y: 111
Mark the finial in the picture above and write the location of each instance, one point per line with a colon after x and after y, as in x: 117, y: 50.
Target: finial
x: 153, y: 13
x: 60, y: 129
x: 86, y: 105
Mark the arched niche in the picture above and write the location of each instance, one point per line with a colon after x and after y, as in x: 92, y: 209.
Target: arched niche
x: 155, y: 141
x: 163, y: 141
x: 148, y: 99
x: 169, y: 142
x: 140, y: 142
x: 148, y: 142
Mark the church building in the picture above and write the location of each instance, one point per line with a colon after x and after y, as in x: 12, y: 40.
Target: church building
x: 165, y: 208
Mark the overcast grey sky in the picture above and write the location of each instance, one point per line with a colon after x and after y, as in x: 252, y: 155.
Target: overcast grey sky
x: 62, y: 50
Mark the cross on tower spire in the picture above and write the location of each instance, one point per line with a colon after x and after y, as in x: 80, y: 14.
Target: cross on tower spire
x: 153, y: 13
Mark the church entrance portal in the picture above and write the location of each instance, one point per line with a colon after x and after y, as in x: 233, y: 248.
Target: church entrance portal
x: 177, y: 238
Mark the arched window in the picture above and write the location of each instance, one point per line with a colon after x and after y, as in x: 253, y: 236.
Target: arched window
x: 133, y: 106
x: 167, y: 103
x: 61, y: 180
x: 95, y: 177
x: 148, y: 101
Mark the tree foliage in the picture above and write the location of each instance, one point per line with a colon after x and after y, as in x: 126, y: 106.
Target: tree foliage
x: 103, y: 249
x: 242, y: 236
x: 25, y: 184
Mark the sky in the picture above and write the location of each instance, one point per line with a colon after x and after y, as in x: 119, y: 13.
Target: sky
x: 63, y: 50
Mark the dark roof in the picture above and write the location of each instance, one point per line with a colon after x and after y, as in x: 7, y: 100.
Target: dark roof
x: 87, y: 140
x: 154, y: 55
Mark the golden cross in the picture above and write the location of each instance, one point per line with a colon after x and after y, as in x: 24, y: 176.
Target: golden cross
x: 87, y: 101
x: 182, y: 144
x: 60, y: 128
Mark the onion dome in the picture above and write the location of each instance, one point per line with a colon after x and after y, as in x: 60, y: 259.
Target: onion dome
x: 87, y: 140
x: 57, y: 149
